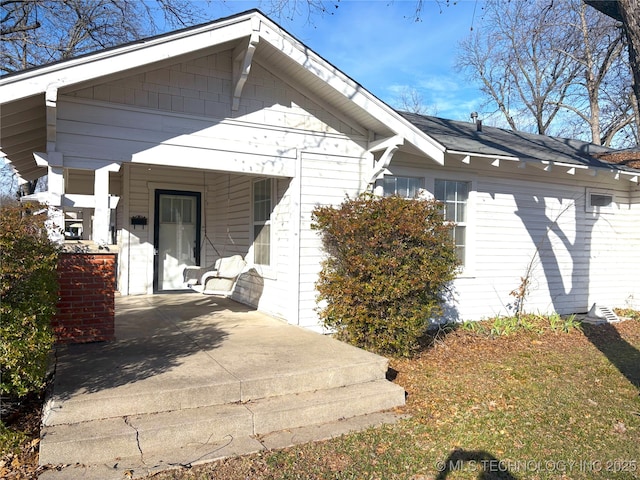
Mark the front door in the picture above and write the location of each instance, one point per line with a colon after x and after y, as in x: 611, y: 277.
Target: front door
x: 176, y: 237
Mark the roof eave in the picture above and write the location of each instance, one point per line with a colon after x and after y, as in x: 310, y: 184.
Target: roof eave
x: 99, y: 64
x: 106, y: 62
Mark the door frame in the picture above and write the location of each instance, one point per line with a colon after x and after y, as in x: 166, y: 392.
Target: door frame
x: 156, y: 227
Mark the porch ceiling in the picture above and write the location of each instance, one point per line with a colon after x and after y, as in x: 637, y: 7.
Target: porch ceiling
x: 22, y: 132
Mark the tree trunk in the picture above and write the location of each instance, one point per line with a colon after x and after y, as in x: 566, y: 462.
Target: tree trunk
x: 626, y: 11
x: 631, y: 23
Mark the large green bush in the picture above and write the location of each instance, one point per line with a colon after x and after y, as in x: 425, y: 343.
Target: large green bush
x: 388, y: 263
x: 28, y: 296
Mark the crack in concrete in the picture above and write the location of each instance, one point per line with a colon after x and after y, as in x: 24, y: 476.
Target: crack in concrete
x: 129, y: 424
x: 211, y: 452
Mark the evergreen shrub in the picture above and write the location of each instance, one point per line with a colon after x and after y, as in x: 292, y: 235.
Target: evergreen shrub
x: 28, y: 297
x: 387, y: 267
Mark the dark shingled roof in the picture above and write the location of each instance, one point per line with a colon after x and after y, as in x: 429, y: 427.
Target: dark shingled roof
x: 465, y: 137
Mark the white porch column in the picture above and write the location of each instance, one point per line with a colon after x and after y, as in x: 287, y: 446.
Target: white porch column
x: 101, y: 212
x: 55, y: 167
x: 55, y: 181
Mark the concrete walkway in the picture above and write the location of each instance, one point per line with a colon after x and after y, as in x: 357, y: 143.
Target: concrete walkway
x: 193, y: 378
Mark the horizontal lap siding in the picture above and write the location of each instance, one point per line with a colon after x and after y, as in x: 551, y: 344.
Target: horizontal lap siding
x: 522, y: 226
x: 577, y: 256
x: 226, y: 227
x: 615, y: 255
x: 325, y: 180
x: 582, y: 259
x: 186, y: 107
x: 282, y: 296
x: 269, y: 288
x: 142, y: 181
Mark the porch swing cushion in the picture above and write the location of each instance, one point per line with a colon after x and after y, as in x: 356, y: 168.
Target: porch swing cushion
x: 219, y: 278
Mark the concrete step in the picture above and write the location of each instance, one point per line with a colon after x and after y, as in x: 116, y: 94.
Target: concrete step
x: 218, y: 387
x: 291, y: 411
x: 118, y: 403
x: 107, y: 440
x: 139, y: 466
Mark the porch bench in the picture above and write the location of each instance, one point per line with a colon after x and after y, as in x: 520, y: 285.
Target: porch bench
x: 217, y: 279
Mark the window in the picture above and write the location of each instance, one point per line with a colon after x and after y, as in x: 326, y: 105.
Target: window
x: 406, y: 187
x: 177, y: 209
x: 599, y: 201
x: 455, y: 196
x: 262, y: 200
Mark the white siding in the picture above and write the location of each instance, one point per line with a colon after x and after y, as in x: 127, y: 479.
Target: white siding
x: 530, y: 219
x: 173, y: 128
x: 270, y: 288
x: 326, y: 180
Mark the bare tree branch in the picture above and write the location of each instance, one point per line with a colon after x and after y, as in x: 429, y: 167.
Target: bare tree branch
x: 551, y: 68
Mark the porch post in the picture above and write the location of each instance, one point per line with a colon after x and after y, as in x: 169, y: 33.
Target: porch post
x: 101, y: 212
x: 55, y: 167
x: 55, y: 179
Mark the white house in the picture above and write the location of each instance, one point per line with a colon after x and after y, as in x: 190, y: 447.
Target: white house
x: 220, y: 139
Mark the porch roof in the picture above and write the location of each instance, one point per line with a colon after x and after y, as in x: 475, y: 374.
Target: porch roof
x: 28, y: 98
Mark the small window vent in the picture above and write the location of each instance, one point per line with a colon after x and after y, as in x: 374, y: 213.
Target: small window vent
x: 599, y: 201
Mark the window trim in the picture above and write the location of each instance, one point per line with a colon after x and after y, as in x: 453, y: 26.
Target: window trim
x: 468, y: 269
x: 267, y: 271
x: 590, y: 208
x: 419, y: 178
x: 429, y: 177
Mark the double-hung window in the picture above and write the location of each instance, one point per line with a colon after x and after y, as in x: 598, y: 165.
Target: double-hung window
x: 262, y: 206
x: 455, y: 196
x: 405, y: 187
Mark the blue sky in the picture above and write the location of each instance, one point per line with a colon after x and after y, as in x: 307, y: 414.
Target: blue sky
x: 379, y: 44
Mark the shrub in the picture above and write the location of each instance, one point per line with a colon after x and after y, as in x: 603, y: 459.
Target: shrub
x: 388, y: 264
x: 28, y: 296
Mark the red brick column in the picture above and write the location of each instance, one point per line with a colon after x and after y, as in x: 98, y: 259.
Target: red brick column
x: 86, y: 304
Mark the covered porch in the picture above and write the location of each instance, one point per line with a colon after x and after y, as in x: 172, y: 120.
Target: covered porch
x: 192, y: 378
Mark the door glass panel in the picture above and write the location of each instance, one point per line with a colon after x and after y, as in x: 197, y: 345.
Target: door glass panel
x: 177, y: 238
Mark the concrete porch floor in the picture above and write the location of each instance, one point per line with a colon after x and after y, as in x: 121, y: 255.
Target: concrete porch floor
x: 201, y: 362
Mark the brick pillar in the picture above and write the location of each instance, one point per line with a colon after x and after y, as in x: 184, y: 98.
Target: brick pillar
x: 86, y: 304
